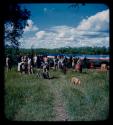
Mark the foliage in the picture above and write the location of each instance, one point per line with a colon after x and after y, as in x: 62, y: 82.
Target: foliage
x: 15, y: 20
x: 69, y: 50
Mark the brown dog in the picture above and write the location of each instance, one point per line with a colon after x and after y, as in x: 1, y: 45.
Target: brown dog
x: 75, y: 80
x: 103, y: 67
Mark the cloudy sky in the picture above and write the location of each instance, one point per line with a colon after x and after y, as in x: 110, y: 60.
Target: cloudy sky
x: 59, y: 25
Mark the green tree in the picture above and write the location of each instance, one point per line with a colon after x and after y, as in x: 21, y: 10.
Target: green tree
x: 15, y: 20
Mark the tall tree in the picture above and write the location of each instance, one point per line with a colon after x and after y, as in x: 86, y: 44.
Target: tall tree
x: 15, y: 19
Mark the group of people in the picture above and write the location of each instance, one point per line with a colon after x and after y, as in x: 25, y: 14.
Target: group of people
x: 27, y: 63
x: 61, y: 62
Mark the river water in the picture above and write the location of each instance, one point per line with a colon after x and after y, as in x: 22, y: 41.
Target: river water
x: 106, y: 57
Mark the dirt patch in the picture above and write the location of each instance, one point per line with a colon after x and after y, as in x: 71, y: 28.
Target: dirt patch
x: 59, y: 106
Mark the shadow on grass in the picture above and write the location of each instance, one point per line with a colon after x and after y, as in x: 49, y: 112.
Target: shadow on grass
x: 54, y: 77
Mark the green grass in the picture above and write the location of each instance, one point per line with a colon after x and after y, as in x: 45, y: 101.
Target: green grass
x: 28, y: 98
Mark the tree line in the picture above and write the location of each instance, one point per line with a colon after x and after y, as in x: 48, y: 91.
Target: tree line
x: 69, y: 50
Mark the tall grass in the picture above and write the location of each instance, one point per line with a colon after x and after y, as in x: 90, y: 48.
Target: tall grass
x: 90, y: 100
x: 28, y: 98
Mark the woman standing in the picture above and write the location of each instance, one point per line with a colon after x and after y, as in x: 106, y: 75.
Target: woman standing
x: 8, y: 63
x: 79, y: 65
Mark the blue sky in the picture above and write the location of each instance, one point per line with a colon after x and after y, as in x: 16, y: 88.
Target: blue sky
x: 58, y: 25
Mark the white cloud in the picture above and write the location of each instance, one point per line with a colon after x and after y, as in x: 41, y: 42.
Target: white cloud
x: 40, y: 34
x: 88, y: 33
x: 98, y: 22
x: 30, y: 26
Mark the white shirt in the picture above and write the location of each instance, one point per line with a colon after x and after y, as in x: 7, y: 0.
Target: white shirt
x: 29, y: 61
x: 35, y: 59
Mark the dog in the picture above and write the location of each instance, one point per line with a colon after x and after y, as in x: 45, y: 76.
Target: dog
x: 103, y: 67
x: 75, y: 80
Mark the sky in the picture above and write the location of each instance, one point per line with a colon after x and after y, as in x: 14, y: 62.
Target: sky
x: 59, y: 25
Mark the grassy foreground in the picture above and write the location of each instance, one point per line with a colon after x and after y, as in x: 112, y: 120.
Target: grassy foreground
x: 28, y: 98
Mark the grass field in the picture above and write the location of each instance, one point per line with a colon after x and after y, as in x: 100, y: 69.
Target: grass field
x: 28, y: 98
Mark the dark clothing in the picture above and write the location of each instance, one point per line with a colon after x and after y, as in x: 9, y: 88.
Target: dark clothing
x: 64, y: 67
x: 32, y: 61
x: 19, y: 59
x: 70, y: 62
x: 85, y: 63
x: 38, y: 62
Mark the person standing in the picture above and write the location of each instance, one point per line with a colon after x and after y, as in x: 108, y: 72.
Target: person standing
x: 85, y: 63
x: 73, y: 63
x: 55, y: 62
x: 29, y: 65
x: 70, y: 62
x: 19, y: 62
x: 35, y: 61
x: 7, y: 63
x: 46, y: 64
x: 79, y: 65
x: 64, y: 65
